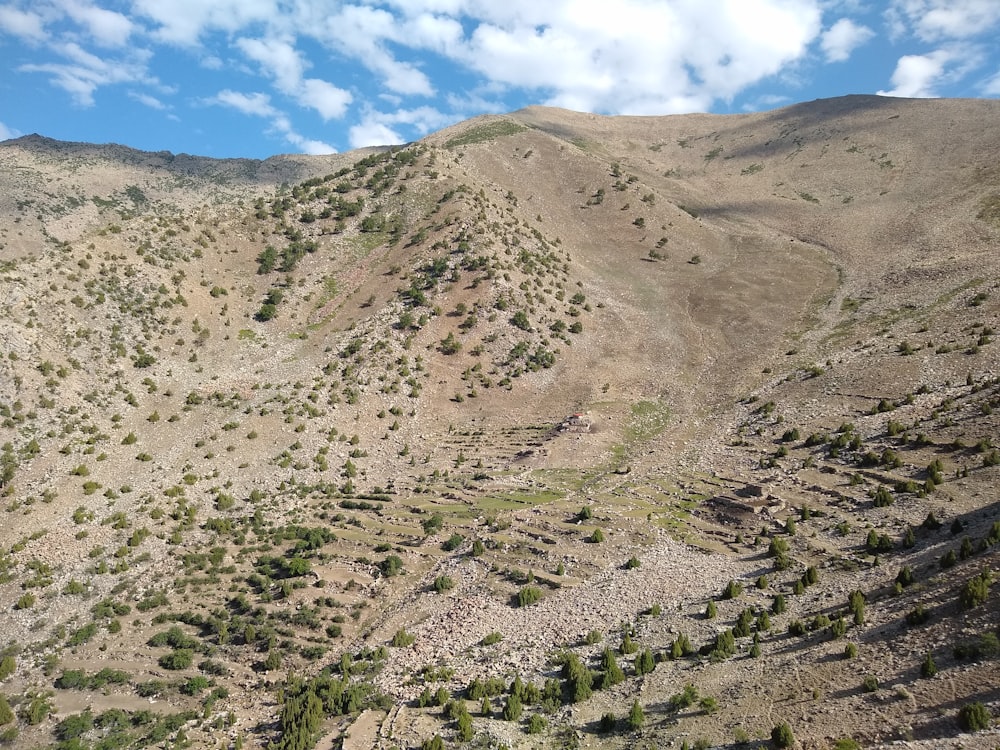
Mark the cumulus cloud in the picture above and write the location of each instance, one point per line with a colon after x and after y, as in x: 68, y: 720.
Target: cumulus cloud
x: 183, y: 22
x: 249, y: 104
x: 281, y: 61
x: 934, y: 20
x: 309, y: 146
x: 372, y: 133
x: 24, y: 24
x: 381, y: 128
x: 361, y: 33
x: 278, y: 58
x: 328, y: 100
x: 841, y: 39
x: 631, y: 56
x: 108, y: 28
x: 432, y: 62
x: 917, y: 75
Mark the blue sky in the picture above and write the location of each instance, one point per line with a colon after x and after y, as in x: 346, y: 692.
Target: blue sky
x: 255, y: 78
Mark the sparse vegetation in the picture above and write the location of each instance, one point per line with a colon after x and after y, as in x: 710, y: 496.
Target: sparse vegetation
x: 318, y: 430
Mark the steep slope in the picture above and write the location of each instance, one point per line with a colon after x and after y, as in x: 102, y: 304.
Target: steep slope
x: 303, y: 429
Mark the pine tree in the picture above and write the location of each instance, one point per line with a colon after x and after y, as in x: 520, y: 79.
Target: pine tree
x: 612, y: 673
x: 635, y: 715
x: 644, y: 662
x: 512, y: 709
x: 928, y: 668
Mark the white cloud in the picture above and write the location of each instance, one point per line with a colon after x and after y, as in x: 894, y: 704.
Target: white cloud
x: 22, y: 23
x: 372, y: 133
x: 282, y: 62
x: 309, y: 146
x: 632, y: 56
x: 259, y: 104
x: 360, y: 32
x: 183, y: 22
x: 934, y: 20
x: 924, y: 75
x: 107, y: 27
x: 331, y: 102
x: 8, y: 133
x: 249, y: 104
x: 150, y: 101
x: 86, y: 72
x: 380, y: 128
x: 279, y: 59
x: 841, y: 39
x: 917, y: 75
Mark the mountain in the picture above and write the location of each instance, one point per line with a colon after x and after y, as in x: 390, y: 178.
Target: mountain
x: 551, y: 429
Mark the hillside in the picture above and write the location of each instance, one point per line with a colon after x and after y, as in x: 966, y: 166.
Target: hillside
x: 549, y: 430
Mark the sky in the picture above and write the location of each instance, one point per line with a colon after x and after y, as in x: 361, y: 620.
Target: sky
x: 254, y: 78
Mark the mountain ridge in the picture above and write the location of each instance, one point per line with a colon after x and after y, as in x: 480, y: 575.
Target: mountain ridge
x: 322, y: 426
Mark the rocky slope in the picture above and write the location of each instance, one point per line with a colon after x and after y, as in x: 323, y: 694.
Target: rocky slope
x: 289, y: 446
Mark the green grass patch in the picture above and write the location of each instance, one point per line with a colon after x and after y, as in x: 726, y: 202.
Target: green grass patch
x: 648, y: 419
x: 515, y: 500
x: 483, y: 133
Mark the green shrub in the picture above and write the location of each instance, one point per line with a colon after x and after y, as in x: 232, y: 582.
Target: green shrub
x: 195, y: 685
x: 528, y: 595
x: 636, y: 716
x: 8, y: 665
x: 974, y: 717
x: 870, y: 684
x: 919, y: 615
x: 391, y: 566
x: 732, y: 590
x: 443, y: 583
x: 512, y: 708
x: 782, y: 736
x: 975, y: 591
x: 850, y: 650
x: 537, y: 724
x: 492, y: 638
x: 26, y: 601
x: 928, y: 668
x: 644, y: 663
x: 684, y: 699
x: 401, y: 638
x: 37, y: 709
x: 905, y: 576
x: 178, y: 659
